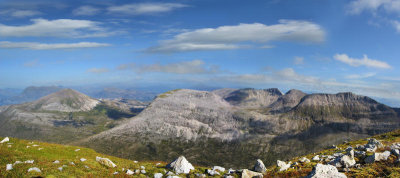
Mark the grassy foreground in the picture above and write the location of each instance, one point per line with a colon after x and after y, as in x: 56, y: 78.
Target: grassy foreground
x: 44, y: 155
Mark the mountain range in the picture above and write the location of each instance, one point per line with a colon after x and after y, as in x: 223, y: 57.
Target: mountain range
x: 228, y: 127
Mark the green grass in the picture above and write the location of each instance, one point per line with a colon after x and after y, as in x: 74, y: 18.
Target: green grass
x: 44, y: 158
x: 166, y: 94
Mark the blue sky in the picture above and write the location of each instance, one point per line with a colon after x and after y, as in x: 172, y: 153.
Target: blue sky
x: 313, y: 45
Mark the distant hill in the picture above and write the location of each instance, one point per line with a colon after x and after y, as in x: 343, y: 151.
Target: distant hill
x: 29, y: 94
x: 113, y: 93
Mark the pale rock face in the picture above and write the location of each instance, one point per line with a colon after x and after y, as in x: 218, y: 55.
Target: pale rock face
x: 377, y: 157
x: 325, y: 171
x: 250, y: 174
x: 181, y: 165
x: 9, y: 167
x: 105, y: 161
x: 304, y: 160
x: 212, y: 172
x: 259, y: 166
x: 252, y: 98
x: 35, y: 169
x: 158, y: 175
x: 282, y: 165
x: 5, y: 140
x: 315, y: 158
x: 219, y: 168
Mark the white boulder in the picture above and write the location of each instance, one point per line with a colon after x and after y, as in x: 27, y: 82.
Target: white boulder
x: 325, y: 171
x: 259, y: 166
x: 83, y: 159
x: 129, y: 172
x: 377, y: 157
x: 35, y: 169
x: 180, y: 165
x: 105, y: 161
x: 250, y: 174
x: 315, y: 158
x: 9, y: 167
x: 158, y: 175
x: 5, y: 140
x: 282, y: 165
x: 304, y: 160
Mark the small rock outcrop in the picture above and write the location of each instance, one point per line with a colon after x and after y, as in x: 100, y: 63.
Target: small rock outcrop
x: 325, y: 171
x: 250, y: 174
x: 315, y: 158
x: 259, y: 166
x: 35, y: 169
x: 304, y: 160
x: 180, y: 165
x: 372, y: 145
x: 377, y: 157
x: 105, y: 161
x: 158, y: 175
x: 282, y: 165
x: 5, y: 140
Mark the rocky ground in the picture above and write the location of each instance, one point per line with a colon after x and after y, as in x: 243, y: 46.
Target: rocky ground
x: 372, y: 157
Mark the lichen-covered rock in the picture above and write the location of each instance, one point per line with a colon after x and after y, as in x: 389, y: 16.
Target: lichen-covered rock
x: 250, y: 174
x: 259, y: 166
x: 282, y: 165
x: 325, y: 171
x: 105, y: 161
x: 180, y: 165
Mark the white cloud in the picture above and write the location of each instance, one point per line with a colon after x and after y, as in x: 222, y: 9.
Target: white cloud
x: 98, y: 70
x: 24, y: 13
x: 45, y: 46
x: 396, y: 25
x: 360, y: 76
x: 86, y: 11
x: 298, y: 60
x: 186, y: 67
x: 230, y: 37
x: 145, y: 8
x: 358, y: 6
x: 365, y: 61
x: 55, y: 28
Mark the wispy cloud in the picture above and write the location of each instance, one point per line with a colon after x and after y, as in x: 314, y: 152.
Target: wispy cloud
x: 86, y: 11
x: 186, y: 67
x: 98, y: 70
x: 231, y: 37
x: 24, y: 13
x: 44, y: 46
x: 365, y: 61
x: 358, y: 6
x: 32, y: 63
x: 360, y: 76
x: 55, y: 28
x: 145, y: 8
x: 298, y: 60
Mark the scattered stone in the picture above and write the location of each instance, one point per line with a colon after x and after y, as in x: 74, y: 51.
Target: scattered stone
x: 87, y: 167
x: 17, y: 162
x: 345, y: 161
x: 9, y: 167
x: 173, y: 177
x: 129, y: 172
x: 35, y: 169
x: 35, y: 145
x: 231, y: 171
x: 72, y: 163
x: 142, y: 167
x: 40, y: 149
x: 137, y: 171
x: 360, y: 147
x: 9, y: 146
x: 395, y: 152
x: 77, y: 150
x: 259, y: 166
x: 60, y: 168
x: 28, y: 146
x: 83, y: 159
x: 282, y: 165
x: 115, y: 173
x: 304, y: 160
x: 372, y: 145
x: 395, y: 146
x: 169, y: 173
x: 377, y: 157
x: 295, y: 164
x: 135, y: 161
x: 315, y: 158
x: 219, y: 168
x: 228, y: 176
x: 333, y: 147
x: 64, y: 165
x: 158, y: 175
x: 250, y: 174
x: 143, y: 171
x: 212, y: 172
x: 5, y: 140
x: 157, y: 164
x: 29, y: 161
x: 200, y: 175
x: 105, y: 161
x: 325, y: 171
x: 56, y: 162
x: 360, y: 154
x: 180, y: 165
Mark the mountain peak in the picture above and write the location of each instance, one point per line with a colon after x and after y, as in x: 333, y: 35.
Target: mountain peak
x: 65, y: 100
